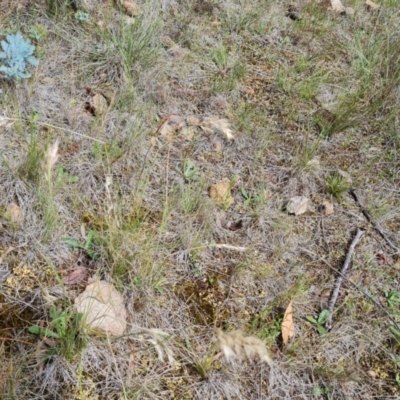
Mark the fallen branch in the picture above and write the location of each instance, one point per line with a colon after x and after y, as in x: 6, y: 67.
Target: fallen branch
x: 367, y: 215
x: 377, y: 304
x: 339, y: 279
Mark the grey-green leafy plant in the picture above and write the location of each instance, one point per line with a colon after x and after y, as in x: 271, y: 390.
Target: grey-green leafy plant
x: 87, y: 246
x: 322, y: 317
x: 64, y: 176
x: 63, y: 333
x: 190, y: 171
x: 17, y: 53
x: 82, y: 17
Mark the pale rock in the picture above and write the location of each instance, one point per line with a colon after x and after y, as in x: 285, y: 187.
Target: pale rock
x: 297, y: 205
x: 103, y: 308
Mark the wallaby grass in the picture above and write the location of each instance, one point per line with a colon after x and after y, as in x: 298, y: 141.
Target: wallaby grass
x: 313, y: 104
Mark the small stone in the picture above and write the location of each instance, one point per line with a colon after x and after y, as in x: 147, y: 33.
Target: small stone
x: 371, y: 373
x: 297, y: 205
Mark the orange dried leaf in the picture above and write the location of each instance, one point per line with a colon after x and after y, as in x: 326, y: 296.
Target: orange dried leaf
x: 131, y: 8
x: 221, y: 192
x: 371, y: 5
x: 287, y: 324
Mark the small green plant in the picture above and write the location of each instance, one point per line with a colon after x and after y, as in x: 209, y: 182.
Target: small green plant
x: 393, y: 300
x: 82, y: 17
x: 63, y: 176
x: 319, y: 391
x: 17, y: 53
x: 190, y: 171
x: 337, y: 185
x: 37, y: 32
x: 248, y: 198
x: 319, y: 323
x: 63, y: 334
x: 87, y: 246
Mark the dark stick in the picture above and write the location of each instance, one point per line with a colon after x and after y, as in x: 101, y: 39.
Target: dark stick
x: 339, y: 279
x: 367, y: 215
x: 377, y: 304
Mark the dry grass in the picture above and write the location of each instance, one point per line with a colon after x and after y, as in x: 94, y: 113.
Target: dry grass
x: 312, y: 106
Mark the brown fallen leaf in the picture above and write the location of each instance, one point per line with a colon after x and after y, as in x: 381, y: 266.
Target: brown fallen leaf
x: 382, y: 257
x: 327, y: 207
x: 221, y: 192
x: 103, y: 308
x: 287, y: 324
x: 131, y: 8
x: 14, y: 212
x: 99, y: 104
x: 232, y: 226
x: 75, y: 276
x: 371, y: 5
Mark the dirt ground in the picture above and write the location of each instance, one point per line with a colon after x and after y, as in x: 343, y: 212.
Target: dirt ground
x: 160, y: 146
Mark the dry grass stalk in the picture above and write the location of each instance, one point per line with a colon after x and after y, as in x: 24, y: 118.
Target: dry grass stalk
x: 234, y: 345
x: 159, y: 339
x: 50, y: 159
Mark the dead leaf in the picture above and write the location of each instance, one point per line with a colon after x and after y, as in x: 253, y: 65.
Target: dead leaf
x: 371, y: 5
x: 337, y: 6
x: 168, y: 125
x: 14, y: 212
x: 327, y: 207
x: 103, y: 307
x: 75, y: 276
x: 297, y: 205
x: 131, y: 8
x: 232, y: 226
x: 213, y: 124
x: 287, y: 324
x: 221, y: 192
x: 99, y: 104
x: 249, y: 91
x: 217, y: 145
x: 382, y: 257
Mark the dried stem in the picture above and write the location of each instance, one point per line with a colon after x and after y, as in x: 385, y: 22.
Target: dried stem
x: 377, y: 304
x: 339, y: 279
x: 367, y: 215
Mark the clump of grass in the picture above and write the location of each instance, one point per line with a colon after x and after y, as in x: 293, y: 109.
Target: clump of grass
x: 337, y: 185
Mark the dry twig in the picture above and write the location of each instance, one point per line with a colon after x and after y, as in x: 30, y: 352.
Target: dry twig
x: 367, y: 215
x: 339, y: 279
x: 377, y: 304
